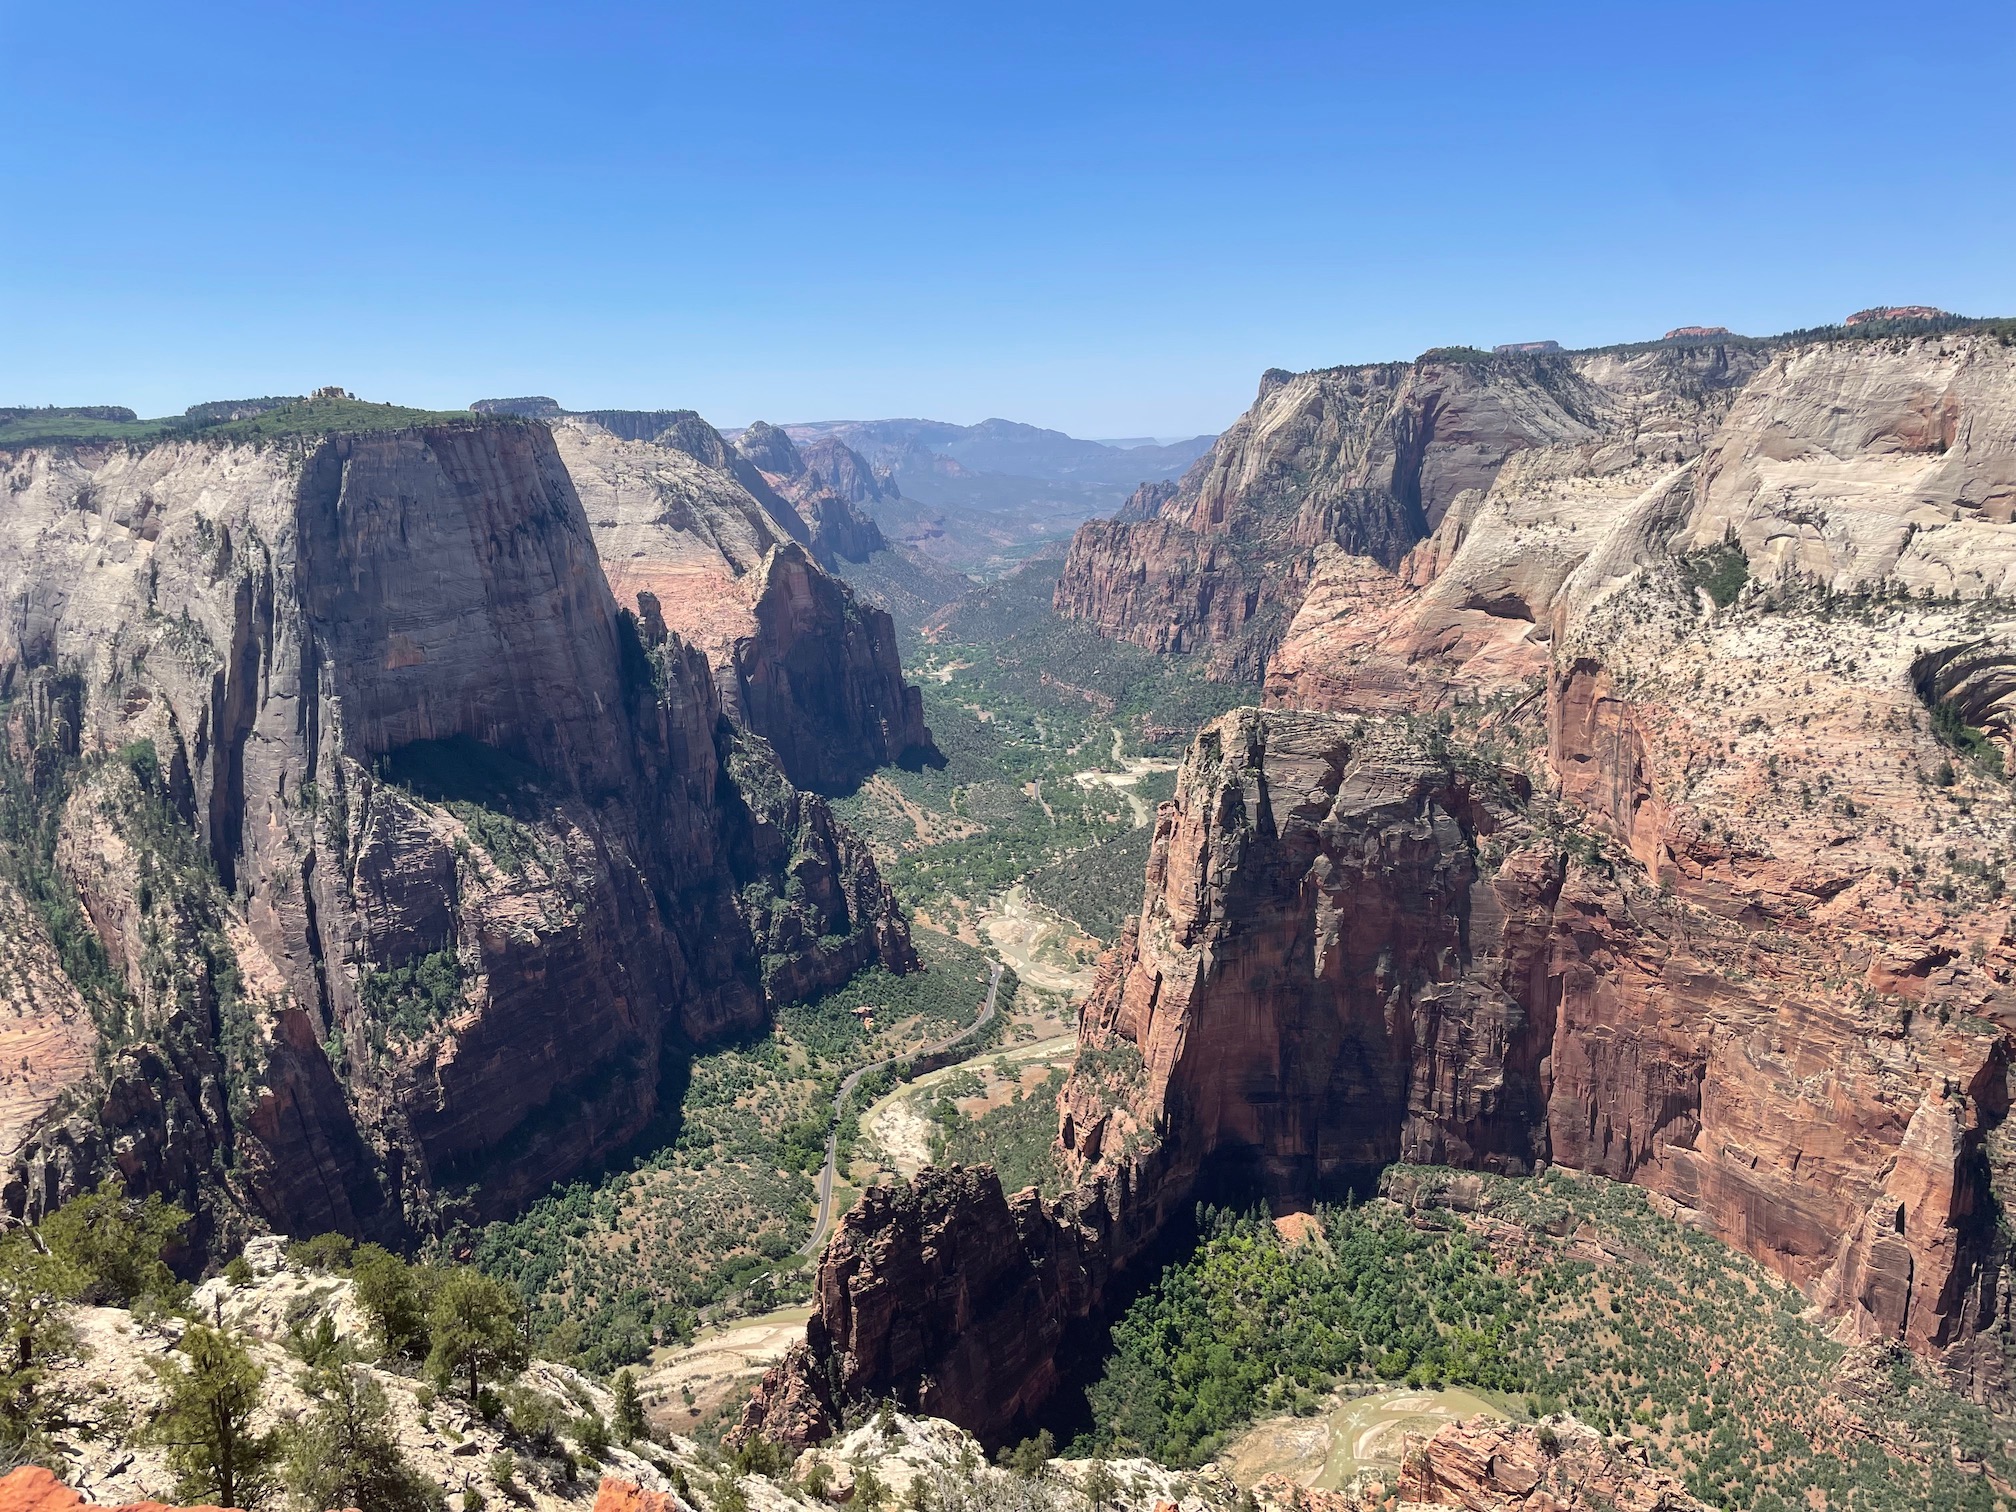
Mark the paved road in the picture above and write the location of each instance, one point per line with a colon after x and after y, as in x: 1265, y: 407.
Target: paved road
x: 819, y: 1229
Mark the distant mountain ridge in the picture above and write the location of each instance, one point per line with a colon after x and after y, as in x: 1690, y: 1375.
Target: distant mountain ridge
x: 1008, y: 447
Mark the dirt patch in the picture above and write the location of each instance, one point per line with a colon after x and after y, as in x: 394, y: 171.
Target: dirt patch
x: 1046, y: 949
x: 685, y: 1383
x: 1297, y: 1228
x: 1352, y: 1439
x: 930, y: 828
x: 1124, y: 781
x: 900, y: 1126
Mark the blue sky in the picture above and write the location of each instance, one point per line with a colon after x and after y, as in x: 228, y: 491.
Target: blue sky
x: 1106, y: 218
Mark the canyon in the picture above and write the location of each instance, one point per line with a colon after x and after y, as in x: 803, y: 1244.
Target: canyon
x: 408, y: 859
x: 1628, y: 797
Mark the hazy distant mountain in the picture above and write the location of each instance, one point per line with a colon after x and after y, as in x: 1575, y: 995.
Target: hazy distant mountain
x: 980, y: 498
x: 1011, y: 448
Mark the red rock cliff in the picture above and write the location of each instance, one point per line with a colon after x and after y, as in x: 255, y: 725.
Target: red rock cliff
x: 1352, y: 951
x: 1368, y: 460
x: 478, y: 847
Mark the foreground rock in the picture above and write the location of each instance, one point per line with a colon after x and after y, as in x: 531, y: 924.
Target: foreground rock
x: 1482, y: 1465
x: 33, y: 1489
x: 350, y: 758
x: 456, y: 1451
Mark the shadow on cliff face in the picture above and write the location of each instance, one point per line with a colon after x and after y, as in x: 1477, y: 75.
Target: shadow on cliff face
x: 922, y: 758
x: 463, y: 769
x: 675, y: 1078
x: 1234, y: 1181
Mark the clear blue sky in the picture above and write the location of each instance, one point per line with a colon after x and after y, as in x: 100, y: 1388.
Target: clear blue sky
x: 1107, y: 218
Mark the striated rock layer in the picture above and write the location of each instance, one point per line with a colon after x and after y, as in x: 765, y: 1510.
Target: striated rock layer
x: 694, y: 537
x: 1369, y: 460
x: 409, y: 855
x: 1485, y: 1466
x: 1648, y: 819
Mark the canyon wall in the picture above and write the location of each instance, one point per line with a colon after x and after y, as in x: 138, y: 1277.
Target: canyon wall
x: 692, y: 531
x: 823, y: 481
x: 1368, y: 460
x: 409, y: 856
x: 1648, y: 816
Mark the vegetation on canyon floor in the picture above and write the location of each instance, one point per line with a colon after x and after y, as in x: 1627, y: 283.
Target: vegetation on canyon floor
x: 704, y: 1223
x: 1557, y: 1293
x: 1020, y: 703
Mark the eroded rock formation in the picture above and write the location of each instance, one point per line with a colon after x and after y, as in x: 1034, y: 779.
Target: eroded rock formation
x: 823, y: 481
x: 410, y: 855
x: 1369, y: 460
x: 1481, y: 1465
x: 1645, y: 817
x: 694, y: 537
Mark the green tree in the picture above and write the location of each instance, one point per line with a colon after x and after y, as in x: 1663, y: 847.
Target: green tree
x: 477, y: 1325
x: 1100, y: 1486
x: 1032, y: 1455
x: 117, y: 1245
x: 396, y: 1297
x: 205, y: 1423
x: 629, y: 1421
x: 346, y: 1453
x: 35, y: 1286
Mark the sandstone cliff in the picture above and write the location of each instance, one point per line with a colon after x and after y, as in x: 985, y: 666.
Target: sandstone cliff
x: 409, y: 854
x: 1654, y: 823
x: 1369, y: 460
x: 690, y: 531
x: 824, y: 482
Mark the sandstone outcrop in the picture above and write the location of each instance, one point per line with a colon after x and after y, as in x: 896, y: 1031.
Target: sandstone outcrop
x: 694, y: 537
x: 1646, y: 815
x: 34, y: 1489
x: 354, y: 766
x: 1370, y: 460
x: 1354, y: 951
x: 1482, y: 1465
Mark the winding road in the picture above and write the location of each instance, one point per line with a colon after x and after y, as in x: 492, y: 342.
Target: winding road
x: 819, y: 1229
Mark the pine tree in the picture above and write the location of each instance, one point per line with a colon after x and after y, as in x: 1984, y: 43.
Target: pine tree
x: 116, y: 1244
x: 346, y: 1453
x: 35, y: 1287
x: 478, y: 1329
x: 206, y: 1421
x: 629, y: 1420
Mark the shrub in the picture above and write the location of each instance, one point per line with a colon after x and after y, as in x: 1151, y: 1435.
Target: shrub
x: 116, y: 1245
x: 325, y: 1252
x: 396, y: 1297
x: 534, y: 1418
x: 346, y: 1452
x: 591, y: 1434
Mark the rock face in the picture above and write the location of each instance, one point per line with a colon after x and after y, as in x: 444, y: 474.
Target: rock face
x: 823, y: 482
x: 1485, y: 1466
x: 955, y: 1299
x: 820, y: 677
x: 1646, y: 817
x: 391, y: 768
x: 693, y: 535
x: 1368, y: 460
x: 33, y: 1489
